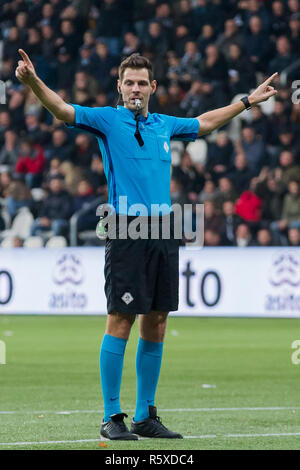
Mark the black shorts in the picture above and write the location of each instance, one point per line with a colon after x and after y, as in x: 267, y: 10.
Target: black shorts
x: 141, y: 275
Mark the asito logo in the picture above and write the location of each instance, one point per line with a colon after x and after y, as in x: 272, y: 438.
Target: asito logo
x: 284, y: 278
x: 68, y: 269
x: 68, y: 275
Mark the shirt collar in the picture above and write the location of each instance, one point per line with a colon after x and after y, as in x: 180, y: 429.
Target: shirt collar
x: 130, y: 114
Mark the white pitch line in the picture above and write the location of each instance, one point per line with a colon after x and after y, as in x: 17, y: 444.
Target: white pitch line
x: 162, y: 410
x: 203, y: 436
x: 47, y: 442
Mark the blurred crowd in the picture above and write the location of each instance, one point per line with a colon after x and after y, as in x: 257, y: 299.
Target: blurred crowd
x: 205, y: 54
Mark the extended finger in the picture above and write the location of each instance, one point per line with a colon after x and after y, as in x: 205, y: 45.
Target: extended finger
x: 271, y: 93
x: 24, y: 56
x: 270, y: 78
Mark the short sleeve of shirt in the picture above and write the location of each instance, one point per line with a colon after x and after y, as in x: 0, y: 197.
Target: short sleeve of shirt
x: 182, y: 128
x: 94, y: 120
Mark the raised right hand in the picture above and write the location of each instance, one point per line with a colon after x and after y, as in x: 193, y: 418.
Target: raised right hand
x: 25, y: 70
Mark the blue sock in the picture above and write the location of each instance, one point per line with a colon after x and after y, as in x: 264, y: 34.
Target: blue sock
x: 111, y: 367
x: 148, y: 362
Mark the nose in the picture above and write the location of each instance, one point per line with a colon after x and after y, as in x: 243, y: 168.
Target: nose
x: 136, y: 87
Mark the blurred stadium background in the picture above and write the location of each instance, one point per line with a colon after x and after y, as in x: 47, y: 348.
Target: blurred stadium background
x: 235, y: 385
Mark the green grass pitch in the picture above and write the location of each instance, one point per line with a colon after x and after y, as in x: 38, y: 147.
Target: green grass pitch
x: 221, y: 382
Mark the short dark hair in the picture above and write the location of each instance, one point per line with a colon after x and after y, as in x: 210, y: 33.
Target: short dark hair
x: 136, y: 61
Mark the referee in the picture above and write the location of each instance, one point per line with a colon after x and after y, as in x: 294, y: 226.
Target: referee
x: 141, y: 275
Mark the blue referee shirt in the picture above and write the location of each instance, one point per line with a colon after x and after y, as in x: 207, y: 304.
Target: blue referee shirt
x: 140, y: 173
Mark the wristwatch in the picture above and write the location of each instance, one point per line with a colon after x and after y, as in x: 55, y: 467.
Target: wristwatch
x: 246, y: 102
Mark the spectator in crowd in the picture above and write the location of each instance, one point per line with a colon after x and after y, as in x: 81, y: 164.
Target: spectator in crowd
x: 278, y: 120
x: 69, y: 38
x: 219, y: 155
x: 249, y: 206
x: 211, y: 238
x: 185, y: 14
x: 230, y: 36
x: 83, y: 151
x: 210, y: 192
x: 254, y: 8
x: 294, y: 32
x: 290, y: 216
x: 178, y: 195
x: 18, y: 195
x: 189, y: 66
x: 31, y: 162
x: 33, y: 129
x: 11, y: 44
x: 85, y: 60
x: 279, y: 23
x: 294, y: 237
x: 163, y: 15
x: 5, y: 181
x: 284, y: 56
x: 17, y: 242
x: 22, y: 25
x: 228, y: 224
x: 59, y: 147
x: 34, y: 45
x: 260, y: 124
x: 96, y: 176
x: 214, y: 70
x: 240, y: 71
x: 191, y: 181
x: 55, y: 210
x: 241, y: 174
x: 16, y: 108
x: 156, y: 40
x: 212, y: 217
x: 270, y: 189
x: 257, y: 44
x: 204, y: 54
x: 181, y: 37
x: 48, y: 16
x: 65, y: 69
x: 227, y: 190
x: 131, y: 44
x: 110, y: 24
x: 194, y: 101
x: 85, y: 88
x: 206, y: 38
x: 5, y: 124
x: 243, y: 236
x: 104, y: 64
x: 264, y: 238
x: 254, y: 149
x: 288, y: 141
x: 288, y: 170
x: 10, y: 150
x: 84, y: 197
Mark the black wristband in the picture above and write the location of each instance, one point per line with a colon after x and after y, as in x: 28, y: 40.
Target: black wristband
x: 246, y: 102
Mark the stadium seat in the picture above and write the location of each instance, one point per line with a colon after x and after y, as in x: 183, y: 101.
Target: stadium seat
x: 234, y: 128
x: 7, y: 242
x: 198, y: 151
x: 21, y: 224
x: 177, y: 149
x: 33, y: 242
x: 56, y: 242
x: 38, y: 194
x: 267, y: 107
